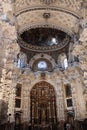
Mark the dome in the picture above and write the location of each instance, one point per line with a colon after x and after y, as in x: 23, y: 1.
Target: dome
x: 44, y: 39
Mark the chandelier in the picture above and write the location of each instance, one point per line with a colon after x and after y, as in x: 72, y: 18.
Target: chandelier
x: 47, y: 1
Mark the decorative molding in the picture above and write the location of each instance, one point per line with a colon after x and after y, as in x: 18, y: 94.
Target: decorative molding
x: 57, y: 19
x: 47, y: 2
x: 46, y: 15
x: 71, y: 5
x: 26, y: 28
x: 43, y: 49
x: 47, y: 8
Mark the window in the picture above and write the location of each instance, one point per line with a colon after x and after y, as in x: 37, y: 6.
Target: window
x: 18, y: 103
x: 54, y: 41
x: 42, y: 65
x: 21, y: 60
x: 68, y: 91
x: 68, y: 96
x: 69, y: 102
x: 18, y: 90
x: 65, y: 63
x: 18, y: 96
x: 21, y: 63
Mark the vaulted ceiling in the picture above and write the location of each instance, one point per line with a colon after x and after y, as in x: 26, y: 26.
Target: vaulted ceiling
x: 63, y: 15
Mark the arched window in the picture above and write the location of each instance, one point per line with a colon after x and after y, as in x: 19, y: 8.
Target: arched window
x: 65, y: 63
x: 62, y: 61
x: 42, y: 65
x: 20, y: 63
x: 21, y: 60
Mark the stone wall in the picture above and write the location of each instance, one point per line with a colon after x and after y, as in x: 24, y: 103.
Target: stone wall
x: 9, y: 48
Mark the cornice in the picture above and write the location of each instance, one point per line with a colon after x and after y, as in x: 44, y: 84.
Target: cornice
x: 64, y: 29
x: 43, y: 49
x: 73, y: 6
x: 54, y: 8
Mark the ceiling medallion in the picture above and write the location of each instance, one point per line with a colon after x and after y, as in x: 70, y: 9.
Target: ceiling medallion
x: 46, y: 15
x: 47, y: 1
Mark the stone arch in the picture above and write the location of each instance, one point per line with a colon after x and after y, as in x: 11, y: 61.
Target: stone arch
x: 43, y: 56
x: 43, y: 105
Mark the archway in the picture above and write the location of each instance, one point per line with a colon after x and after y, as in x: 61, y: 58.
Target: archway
x: 43, y: 107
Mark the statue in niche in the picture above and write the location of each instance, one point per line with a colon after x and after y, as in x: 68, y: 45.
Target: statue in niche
x: 43, y: 115
x: 43, y: 92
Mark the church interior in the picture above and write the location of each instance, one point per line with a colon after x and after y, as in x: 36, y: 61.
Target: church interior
x: 43, y: 65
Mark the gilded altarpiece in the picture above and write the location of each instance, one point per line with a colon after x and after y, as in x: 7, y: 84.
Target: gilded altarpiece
x: 43, y: 105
